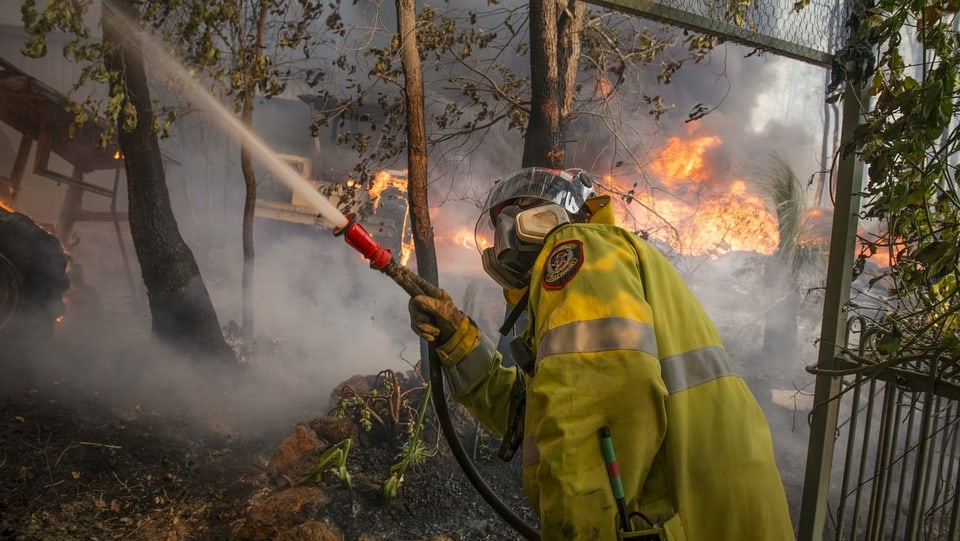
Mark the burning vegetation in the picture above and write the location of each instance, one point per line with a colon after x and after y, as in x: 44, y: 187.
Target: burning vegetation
x: 691, y: 206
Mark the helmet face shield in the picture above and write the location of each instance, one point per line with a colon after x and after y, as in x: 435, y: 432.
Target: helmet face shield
x: 531, y: 187
x: 536, y: 184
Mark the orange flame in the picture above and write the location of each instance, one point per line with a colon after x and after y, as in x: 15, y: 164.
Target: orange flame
x: 683, y: 161
x: 387, y: 179
x: 464, y: 238
x: 700, y: 214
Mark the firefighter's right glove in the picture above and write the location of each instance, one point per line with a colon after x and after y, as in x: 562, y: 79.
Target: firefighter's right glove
x: 433, y: 315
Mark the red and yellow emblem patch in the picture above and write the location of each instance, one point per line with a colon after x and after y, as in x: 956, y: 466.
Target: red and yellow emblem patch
x: 562, y: 265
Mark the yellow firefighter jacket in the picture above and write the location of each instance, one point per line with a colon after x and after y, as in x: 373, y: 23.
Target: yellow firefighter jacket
x: 620, y: 341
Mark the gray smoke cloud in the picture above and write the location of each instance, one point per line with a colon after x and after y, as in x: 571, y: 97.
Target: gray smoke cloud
x: 323, y: 315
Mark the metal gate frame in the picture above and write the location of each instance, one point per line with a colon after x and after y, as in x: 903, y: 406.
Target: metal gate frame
x: 899, y: 442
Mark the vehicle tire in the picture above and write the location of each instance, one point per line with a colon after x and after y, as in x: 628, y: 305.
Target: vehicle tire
x: 33, y: 280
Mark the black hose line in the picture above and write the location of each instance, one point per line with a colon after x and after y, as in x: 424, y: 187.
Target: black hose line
x: 402, y: 276
x: 467, y: 465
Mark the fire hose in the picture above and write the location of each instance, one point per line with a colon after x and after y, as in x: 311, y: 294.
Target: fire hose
x: 381, y: 259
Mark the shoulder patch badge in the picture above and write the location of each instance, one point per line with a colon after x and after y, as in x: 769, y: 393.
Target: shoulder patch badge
x: 562, y: 265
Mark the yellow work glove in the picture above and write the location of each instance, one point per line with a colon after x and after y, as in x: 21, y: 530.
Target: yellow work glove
x: 433, y: 315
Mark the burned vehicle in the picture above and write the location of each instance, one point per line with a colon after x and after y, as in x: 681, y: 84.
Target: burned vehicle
x: 33, y: 279
x: 34, y: 265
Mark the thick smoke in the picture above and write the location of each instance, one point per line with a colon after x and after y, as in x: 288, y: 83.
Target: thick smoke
x: 322, y: 315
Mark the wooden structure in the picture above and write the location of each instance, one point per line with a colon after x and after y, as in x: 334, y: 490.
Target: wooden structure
x: 44, y: 118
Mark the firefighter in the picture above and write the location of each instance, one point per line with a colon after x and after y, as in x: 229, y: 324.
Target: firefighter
x: 615, y: 339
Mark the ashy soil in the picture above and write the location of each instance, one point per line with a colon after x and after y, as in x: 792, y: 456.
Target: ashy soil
x: 86, y: 457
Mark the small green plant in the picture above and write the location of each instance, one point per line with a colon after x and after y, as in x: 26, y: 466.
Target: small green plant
x: 385, y: 406
x: 332, y: 460
x: 413, y: 452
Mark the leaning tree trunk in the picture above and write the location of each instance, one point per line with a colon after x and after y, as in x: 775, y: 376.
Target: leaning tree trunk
x: 249, y: 208
x: 180, y: 305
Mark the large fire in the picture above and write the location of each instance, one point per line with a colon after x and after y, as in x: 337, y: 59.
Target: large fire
x: 690, y: 207
x: 682, y: 161
x: 685, y: 204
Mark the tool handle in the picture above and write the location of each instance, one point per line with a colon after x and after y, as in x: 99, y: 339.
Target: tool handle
x: 613, y: 472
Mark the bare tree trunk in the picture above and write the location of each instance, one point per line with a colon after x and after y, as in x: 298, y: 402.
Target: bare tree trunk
x: 542, y: 145
x: 249, y: 180
x: 416, y: 142
x: 179, y: 302
x: 554, y: 55
x: 569, y: 27
x: 249, y: 205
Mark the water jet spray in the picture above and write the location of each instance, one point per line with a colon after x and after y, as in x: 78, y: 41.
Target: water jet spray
x: 229, y: 122
x: 356, y: 236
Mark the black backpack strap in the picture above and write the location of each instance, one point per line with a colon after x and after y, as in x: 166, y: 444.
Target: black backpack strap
x: 515, y: 314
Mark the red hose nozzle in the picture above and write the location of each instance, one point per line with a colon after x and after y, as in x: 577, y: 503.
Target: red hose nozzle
x: 361, y: 241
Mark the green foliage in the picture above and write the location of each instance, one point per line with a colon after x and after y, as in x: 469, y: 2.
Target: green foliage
x: 385, y: 406
x: 413, y: 453
x: 333, y: 460
x: 246, y: 47
x: 67, y: 16
x: 909, y: 142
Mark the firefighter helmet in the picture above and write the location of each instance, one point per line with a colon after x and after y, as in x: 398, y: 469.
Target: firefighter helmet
x: 537, y: 185
x: 557, y: 196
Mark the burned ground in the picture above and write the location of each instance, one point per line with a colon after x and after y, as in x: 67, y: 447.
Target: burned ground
x: 104, y: 435
x: 79, y: 464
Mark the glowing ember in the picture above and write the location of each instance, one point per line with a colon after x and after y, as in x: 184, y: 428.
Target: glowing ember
x: 604, y: 87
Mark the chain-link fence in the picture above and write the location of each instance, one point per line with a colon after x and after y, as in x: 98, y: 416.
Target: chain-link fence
x: 810, y: 33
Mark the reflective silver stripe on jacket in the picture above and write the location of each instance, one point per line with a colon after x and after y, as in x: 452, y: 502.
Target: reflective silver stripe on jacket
x: 598, y: 335
x: 686, y: 370
x: 679, y: 372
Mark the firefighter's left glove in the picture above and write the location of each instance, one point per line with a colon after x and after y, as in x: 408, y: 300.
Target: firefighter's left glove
x: 434, y: 316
